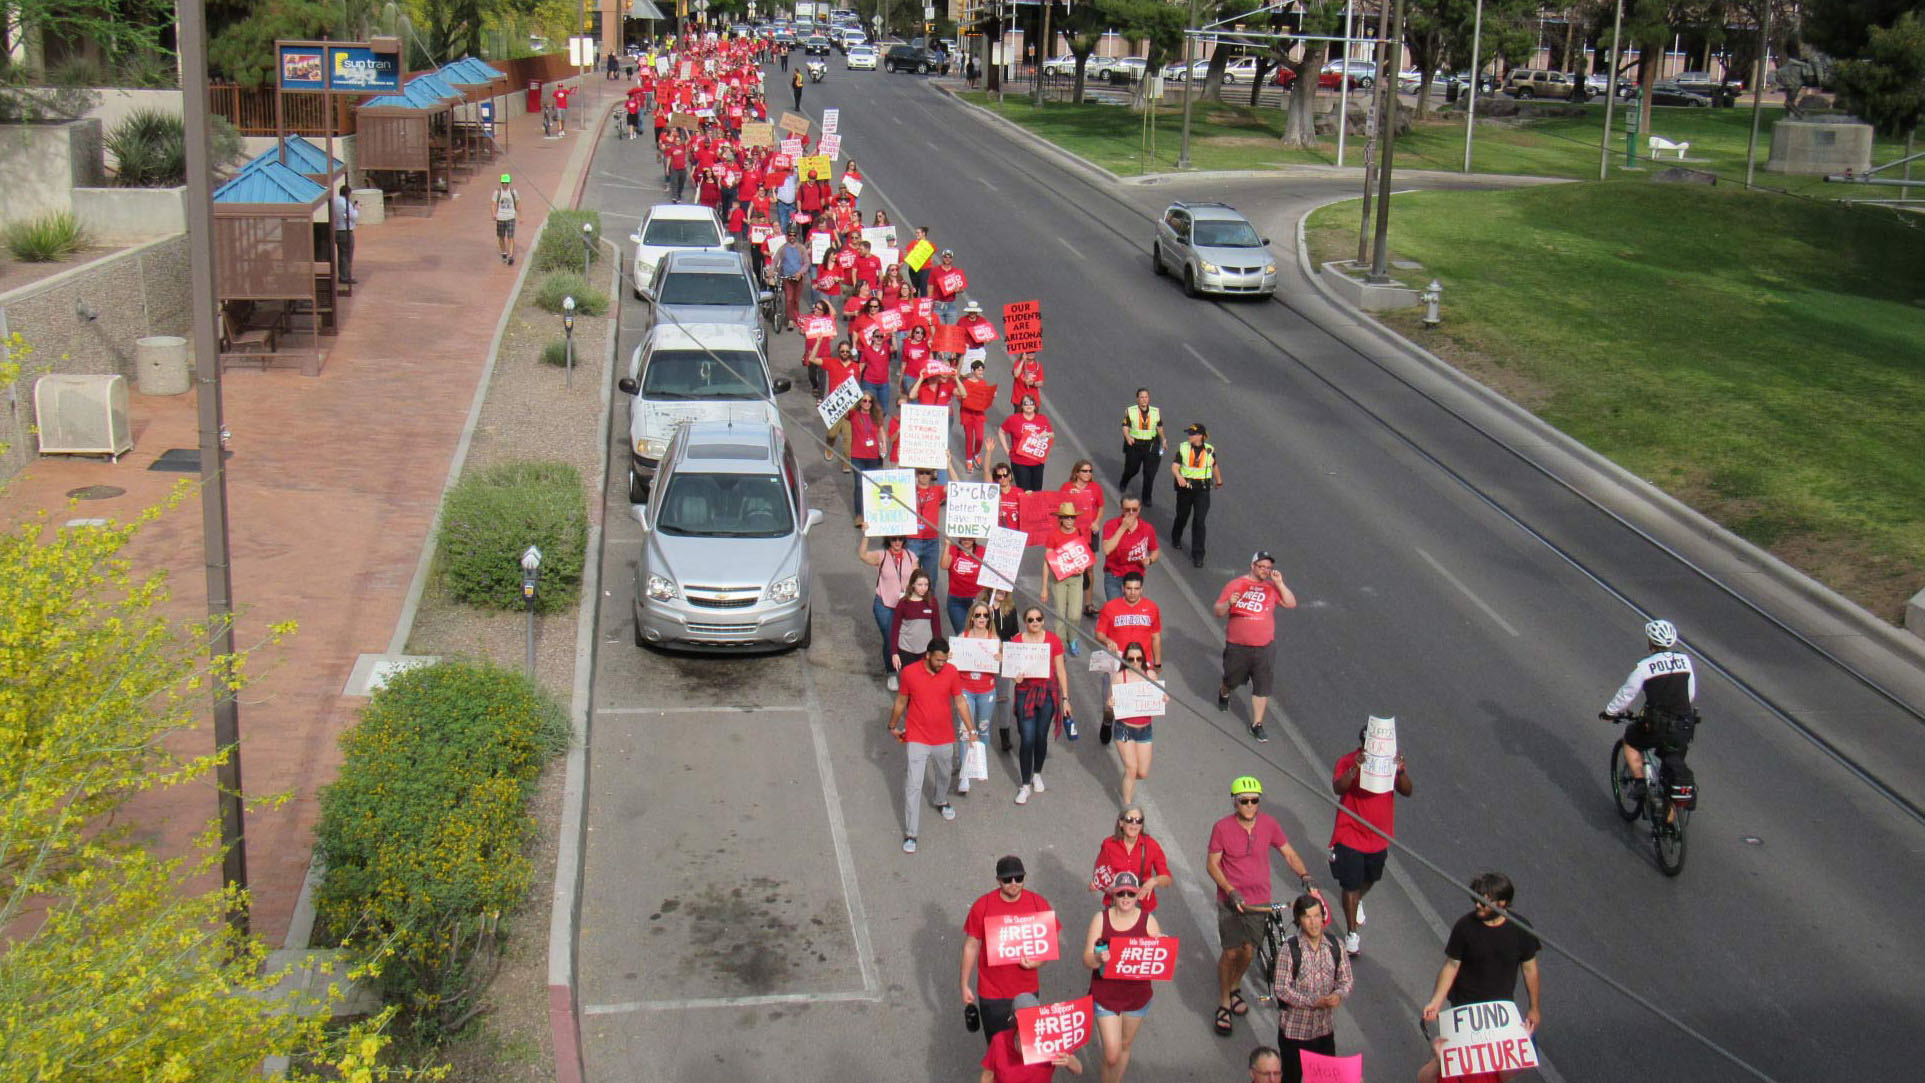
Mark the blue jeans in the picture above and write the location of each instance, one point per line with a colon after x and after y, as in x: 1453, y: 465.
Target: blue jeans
x: 783, y: 212
x: 982, y: 707
x: 880, y: 391
x: 1112, y: 584
x: 928, y: 551
x: 946, y: 310
x: 1032, y: 731
x: 957, y: 610
x: 885, y: 616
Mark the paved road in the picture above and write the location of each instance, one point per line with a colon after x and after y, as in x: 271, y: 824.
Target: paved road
x: 747, y: 906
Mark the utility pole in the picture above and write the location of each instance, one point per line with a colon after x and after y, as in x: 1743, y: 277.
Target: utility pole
x: 207, y: 380
x: 1371, y: 134
x: 1757, y: 99
x: 1387, y: 131
x: 1042, y: 53
x: 1189, y: 88
x: 1611, y: 95
x: 1477, y: 80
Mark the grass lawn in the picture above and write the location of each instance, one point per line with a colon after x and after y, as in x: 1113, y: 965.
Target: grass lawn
x: 1761, y: 358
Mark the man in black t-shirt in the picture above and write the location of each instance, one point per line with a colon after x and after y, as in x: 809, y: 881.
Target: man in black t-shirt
x: 1482, y: 959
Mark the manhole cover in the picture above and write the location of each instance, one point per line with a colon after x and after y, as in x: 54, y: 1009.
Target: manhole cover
x: 95, y: 492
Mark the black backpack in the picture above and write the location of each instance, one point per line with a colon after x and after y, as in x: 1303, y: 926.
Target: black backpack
x: 1268, y: 957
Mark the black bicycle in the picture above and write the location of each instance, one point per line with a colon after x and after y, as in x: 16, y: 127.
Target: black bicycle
x: 1666, y: 804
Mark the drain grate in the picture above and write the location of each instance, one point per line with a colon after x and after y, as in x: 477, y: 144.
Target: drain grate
x: 95, y: 492
x: 186, y: 460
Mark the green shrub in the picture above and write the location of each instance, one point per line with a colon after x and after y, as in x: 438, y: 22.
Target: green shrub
x: 151, y: 148
x: 560, y: 245
x: 589, y: 301
x: 491, y: 518
x: 555, y: 353
x: 423, y: 833
x: 52, y: 236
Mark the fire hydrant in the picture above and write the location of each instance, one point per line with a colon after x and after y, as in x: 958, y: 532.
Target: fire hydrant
x: 1432, y: 294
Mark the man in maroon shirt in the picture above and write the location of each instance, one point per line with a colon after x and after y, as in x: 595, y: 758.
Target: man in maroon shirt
x: 1249, y: 603
x: 1357, y: 853
x: 930, y: 716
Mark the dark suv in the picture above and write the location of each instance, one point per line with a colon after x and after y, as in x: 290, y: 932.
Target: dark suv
x: 916, y: 59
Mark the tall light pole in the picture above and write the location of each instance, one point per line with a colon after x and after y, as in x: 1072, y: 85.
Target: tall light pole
x: 1189, y: 89
x: 207, y: 381
x: 1757, y: 98
x: 1611, y: 94
x: 1373, y: 133
x: 1387, y: 133
x: 1476, y: 79
x: 1343, y: 83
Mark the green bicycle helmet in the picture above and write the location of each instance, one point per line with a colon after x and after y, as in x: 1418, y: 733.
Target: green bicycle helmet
x: 1246, y: 784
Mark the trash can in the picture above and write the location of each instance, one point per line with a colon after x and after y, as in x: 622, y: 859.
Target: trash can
x: 160, y: 365
x: 534, y: 95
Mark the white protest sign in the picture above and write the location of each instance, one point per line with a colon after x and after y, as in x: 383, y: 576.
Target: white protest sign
x: 1025, y: 659
x: 880, y: 237
x: 1138, y: 699
x: 662, y: 64
x: 1104, y: 662
x: 973, y: 355
x: 924, y: 439
x: 1003, y: 557
x: 831, y: 121
x: 818, y: 246
x: 792, y: 147
x: 1485, y: 1037
x: 970, y: 509
x: 853, y: 184
x: 973, y: 655
x: 830, y: 147
x: 888, y: 256
x: 1378, y: 772
x: 888, y: 503
x: 837, y: 402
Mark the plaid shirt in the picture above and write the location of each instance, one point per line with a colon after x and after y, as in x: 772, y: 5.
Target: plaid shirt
x: 1319, y: 975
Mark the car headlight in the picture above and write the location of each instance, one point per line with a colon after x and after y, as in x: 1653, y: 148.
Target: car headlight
x: 661, y: 589
x: 1206, y: 267
x: 785, y: 590
x: 1269, y: 268
x: 651, y: 447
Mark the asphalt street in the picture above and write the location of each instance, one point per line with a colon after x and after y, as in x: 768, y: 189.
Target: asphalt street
x: 748, y: 911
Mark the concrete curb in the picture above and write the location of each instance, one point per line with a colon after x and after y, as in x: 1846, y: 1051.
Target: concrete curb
x: 1696, y: 527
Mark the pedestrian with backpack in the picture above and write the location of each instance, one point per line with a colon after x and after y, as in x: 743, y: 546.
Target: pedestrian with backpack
x: 1313, y: 977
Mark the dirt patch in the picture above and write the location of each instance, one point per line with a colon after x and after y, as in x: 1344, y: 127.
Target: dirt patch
x: 1241, y: 141
x: 14, y: 273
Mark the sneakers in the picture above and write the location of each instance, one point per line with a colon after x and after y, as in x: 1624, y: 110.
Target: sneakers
x: 1022, y: 796
x: 1353, y: 943
x: 1222, y: 699
x: 1257, y: 732
x: 909, y: 844
x: 1075, y: 648
x: 893, y: 683
x: 962, y: 787
x: 1036, y: 782
x: 948, y: 813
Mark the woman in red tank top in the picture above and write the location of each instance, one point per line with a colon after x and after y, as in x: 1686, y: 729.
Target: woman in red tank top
x: 1121, y: 1003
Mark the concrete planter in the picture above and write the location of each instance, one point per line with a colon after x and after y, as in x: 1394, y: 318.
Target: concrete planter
x: 131, y: 215
x: 40, y: 165
x: 1369, y: 296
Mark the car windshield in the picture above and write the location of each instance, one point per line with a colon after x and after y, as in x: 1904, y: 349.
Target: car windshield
x: 1215, y: 234
x: 681, y: 233
x: 725, y: 506
x: 693, y: 288
x: 698, y: 374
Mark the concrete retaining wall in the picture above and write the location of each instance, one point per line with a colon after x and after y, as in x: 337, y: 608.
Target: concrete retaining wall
x: 41, y: 164
x: 131, y: 215
x: 136, y: 292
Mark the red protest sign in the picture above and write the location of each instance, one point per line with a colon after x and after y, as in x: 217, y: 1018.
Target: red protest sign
x: 1048, y: 1031
x: 889, y: 320
x: 1069, y: 558
x: 818, y: 327
x: 1023, y: 326
x: 925, y: 307
x: 982, y: 332
x: 948, y: 339
x: 1012, y: 938
x: 1036, y: 514
x: 952, y: 282
x: 1141, y: 958
x: 845, y: 258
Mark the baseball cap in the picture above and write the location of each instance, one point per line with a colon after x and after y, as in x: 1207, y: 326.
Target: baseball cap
x: 1262, y: 555
x: 505, y: 178
x: 1125, y: 881
x: 1196, y: 429
x: 1009, y: 865
x: 1026, y: 1000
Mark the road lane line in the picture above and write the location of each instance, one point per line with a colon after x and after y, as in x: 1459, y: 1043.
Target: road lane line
x: 1071, y: 247
x: 1465, y: 591
x: 1205, y: 362
x: 631, y: 1006
x: 986, y: 183
x: 839, y: 833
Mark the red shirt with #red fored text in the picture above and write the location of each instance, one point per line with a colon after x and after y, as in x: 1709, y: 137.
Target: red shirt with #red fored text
x: 1133, y: 549
x: 1008, y: 980
x: 1253, y: 611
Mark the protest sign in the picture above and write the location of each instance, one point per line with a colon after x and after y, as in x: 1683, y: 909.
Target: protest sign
x: 760, y: 232
x: 831, y: 121
x: 919, y: 254
x: 889, y: 503
x: 814, y: 167
x: 794, y: 122
x: 682, y: 120
x: 706, y: 112
x: 830, y: 147
x: 1485, y: 1037
x: 1036, y: 443
x: 1141, y: 958
x: 792, y: 147
x: 879, y: 238
x: 1048, y: 1031
x: 845, y: 259
x: 889, y: 320
x: 853, y: 184
x: 888, y: 257
x: 781, y: 162
x: 758, y: 134
x: 1378, y: 772
x: 1101, y: 661
x: 948, y: 338
x: 661, y: 65
x: 970, y: 509
x: 818, y: 327
x: 819, y: 246
x: 1025, y: 660
x: 1138, y: 699
x: 1036, y: 514
x: 952, y: 281
x: 837, y: 402
x: 1023, y: 326
x: 1070, y: 558
x: 976, y: 655
x: 1002, y: 556
x: 688, y: 69
x: 925, y: 308
x: 1318, y: 1068
x: 981, y: 332
x: 1012, y: 938
x: 924, y: 438
x: 776, y: 241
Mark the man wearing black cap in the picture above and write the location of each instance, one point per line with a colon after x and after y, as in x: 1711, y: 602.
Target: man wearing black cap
x: 999, y: 984
x: 1197, y: 476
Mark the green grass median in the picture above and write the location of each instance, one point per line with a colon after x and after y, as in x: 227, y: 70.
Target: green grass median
x: 1760, y: 357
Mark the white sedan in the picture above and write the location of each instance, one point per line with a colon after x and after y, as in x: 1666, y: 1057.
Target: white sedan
x: 860, y: 58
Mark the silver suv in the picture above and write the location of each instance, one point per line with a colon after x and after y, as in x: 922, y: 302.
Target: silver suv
x: 692, y: 286
x: 1213, y: 249
x: 724, y: 564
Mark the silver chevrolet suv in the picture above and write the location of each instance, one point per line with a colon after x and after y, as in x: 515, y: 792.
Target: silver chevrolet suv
x: 1213, y: 249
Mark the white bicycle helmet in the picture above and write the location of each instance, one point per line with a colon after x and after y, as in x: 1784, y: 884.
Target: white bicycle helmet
x: 1662, y: 634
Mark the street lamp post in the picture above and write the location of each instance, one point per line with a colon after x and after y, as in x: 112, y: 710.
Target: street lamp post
x: 530, y: 579
x: 568, y: 331
x: 1189, y: 89
x: 1611, y: 93
x: 588, y: 247
x: 1477, y: 79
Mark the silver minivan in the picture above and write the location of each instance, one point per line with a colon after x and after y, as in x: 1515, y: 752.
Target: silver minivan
x: 692, y: 372
x: 1214, y: 249
x: 693, y: 286
x: 725, y: 563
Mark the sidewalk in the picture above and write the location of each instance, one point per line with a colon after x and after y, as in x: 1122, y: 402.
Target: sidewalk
x: 334, y: 483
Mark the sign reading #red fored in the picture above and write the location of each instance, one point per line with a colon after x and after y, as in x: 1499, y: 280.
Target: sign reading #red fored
x: 818, y: 327
x: 952, y: 282
x: 982, y: 332
x: 1048, y: 1031
x: 1012, y: 938
x: 1070, y: 558
x: 1023, y: 326
x: 1141, y: 958
x: 889, y: 320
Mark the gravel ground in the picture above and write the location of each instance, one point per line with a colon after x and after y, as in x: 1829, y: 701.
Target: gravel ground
x: 528, y: 414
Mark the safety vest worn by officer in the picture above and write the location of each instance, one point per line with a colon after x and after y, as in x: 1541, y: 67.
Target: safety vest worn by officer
x: 1137, y: 427
x: 1196, y: 463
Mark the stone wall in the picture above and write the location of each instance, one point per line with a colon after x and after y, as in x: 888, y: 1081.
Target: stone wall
x: 41, y: 164
x: 133, y: 293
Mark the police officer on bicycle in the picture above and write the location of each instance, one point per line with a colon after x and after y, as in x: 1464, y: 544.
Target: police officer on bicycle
x: 1669, y: 686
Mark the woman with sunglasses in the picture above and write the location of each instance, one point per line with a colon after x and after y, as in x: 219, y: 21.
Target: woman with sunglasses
x: 962, y: 561
x: 876, y: 358
x: 1026, y: 437
x: 814, y: 352
x: 1133, y: 734
x: 894, y: 563
x: 916, y: 623
x: 868, y: 441
x: 1121, y: 1003
x: 1130, y: 849
x: 1038, y: 702
x: 1009, y: 499
x: 915, y: 355
x: 979, y: 687
x: 1081, y: 490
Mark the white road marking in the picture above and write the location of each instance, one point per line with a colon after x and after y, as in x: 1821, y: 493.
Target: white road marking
x: 1466, y: 592
x: 630, y: 1006
x: 1205, y: 362
x: 992, y: 188
x: 839, y: 833
x: 1071, y: 247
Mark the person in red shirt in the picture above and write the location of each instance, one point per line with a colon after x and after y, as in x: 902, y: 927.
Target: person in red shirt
x: 1239, y: 864
x: 915, y: 354
x: 999, y: 984
x: 1003, y: 1063
x: 937, y: 383
x: 1066, y: 552
x: 1129, y: 545
x: 1132, y: 618
x: 971, y: 319
x: 929, y: 716
x: 868, y: 264
x: 926, y: 543
x: 1357, y: 853
x: 1026, y: 439
x: 946, y: 305
x: 1130, y: 849
x: 1026, y: 379
x: 873, y: 351
x: 1249, y: 603
x: 815, y: 355
x: 1081, y: 490
x: 977, y: 395
x: 1009, y: 499
x: 962, y: 559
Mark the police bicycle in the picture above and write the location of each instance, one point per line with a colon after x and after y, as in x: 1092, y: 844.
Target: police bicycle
x: 1663, y: 801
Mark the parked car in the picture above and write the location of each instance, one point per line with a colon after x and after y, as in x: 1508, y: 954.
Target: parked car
x: 673, y: 227
x: 1362, y: 76
x: 706, y: 287
x: 913, y: 58
x: 1722, y: 92
x: 1128, y: 69
x: 696, y: 372
x: 724, y: 562
x: 860, y: 58
x: 1177, y: 72
x: 1669, y: 93
x: 1241, y: 70
x: 1060, y: 65
x: 1213, y: 248
x: 1527, y: 83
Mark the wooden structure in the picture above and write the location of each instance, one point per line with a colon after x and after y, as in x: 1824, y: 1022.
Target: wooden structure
x: 476, y: 140
x: 405, y: 140
x: 274, y: 254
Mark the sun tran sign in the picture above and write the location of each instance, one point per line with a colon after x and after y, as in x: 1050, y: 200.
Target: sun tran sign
x: 353, y: 67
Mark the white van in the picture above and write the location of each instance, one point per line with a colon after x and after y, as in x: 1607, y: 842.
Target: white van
x: 692, y: 372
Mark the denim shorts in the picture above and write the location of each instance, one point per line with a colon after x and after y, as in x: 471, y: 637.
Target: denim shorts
x: 1139, y: 734
x: 1137, y: 1013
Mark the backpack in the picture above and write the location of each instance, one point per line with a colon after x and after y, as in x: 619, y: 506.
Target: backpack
x: 1296, y: 956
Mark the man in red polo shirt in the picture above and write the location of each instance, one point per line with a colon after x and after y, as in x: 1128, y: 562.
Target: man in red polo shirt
x: 1250, y: 603
x: 998, y: 985
x: 1357, y: 853
x: 930, y: 716
x: 1129, y: 545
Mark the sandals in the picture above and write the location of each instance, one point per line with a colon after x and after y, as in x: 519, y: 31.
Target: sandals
x: 1223, y: 1027
x: 1237, y: 1005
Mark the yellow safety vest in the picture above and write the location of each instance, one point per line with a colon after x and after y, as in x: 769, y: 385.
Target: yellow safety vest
x: 1141, y: 432
x: 1196, y: 463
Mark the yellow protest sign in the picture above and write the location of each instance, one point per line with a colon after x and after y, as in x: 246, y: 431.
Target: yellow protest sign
x: 919, y: 254
x: 814, y: 167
